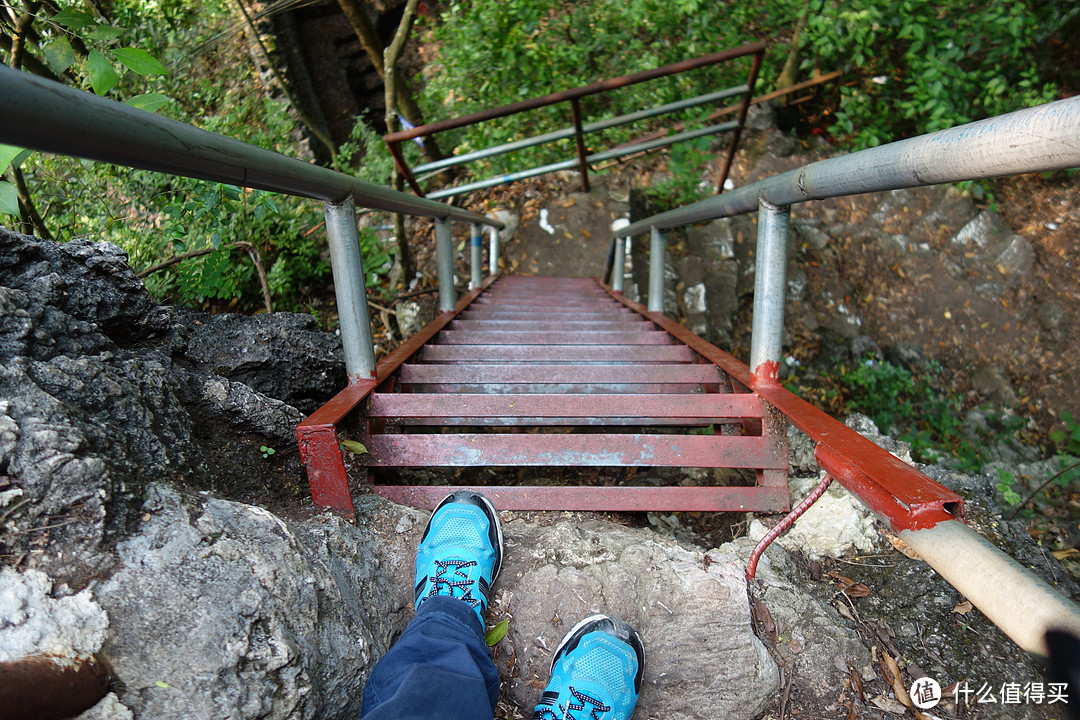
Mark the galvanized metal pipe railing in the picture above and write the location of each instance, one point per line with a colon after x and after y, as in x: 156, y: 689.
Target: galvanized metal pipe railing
x: 573, y: 96
x: 44, y: 115
x: 1037, y: 139
x: 1046, y: 137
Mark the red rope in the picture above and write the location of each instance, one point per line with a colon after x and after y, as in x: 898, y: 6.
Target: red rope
x: 817, y: 492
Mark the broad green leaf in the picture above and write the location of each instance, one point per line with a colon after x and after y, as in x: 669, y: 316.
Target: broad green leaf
x: 104, y: 33
x: 9, y: 199
x: 7, y: 154
x: 139, y: 61
x: 357, y: 448
x: 102, y: 76
x: 150, y: 102
x: 497, y: 633
x: 73, y: 18
x: 58, y: 54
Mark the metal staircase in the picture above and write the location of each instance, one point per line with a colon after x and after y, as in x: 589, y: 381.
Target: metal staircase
x: 550, y: 372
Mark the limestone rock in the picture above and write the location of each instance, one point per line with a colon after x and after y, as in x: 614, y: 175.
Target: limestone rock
x: 833, y: 525
x: 220, y: 609
x: 284, y: 356
x: 33, y: 622
x: 702, y: 658
x: 811, y: 636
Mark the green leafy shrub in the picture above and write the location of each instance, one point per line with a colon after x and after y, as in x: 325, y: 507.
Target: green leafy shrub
x: 495, y: 52
x: 926, y: 65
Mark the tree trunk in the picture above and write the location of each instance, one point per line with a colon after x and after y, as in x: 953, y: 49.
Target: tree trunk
x: 790, y: 73
x: 373, y: 46
x: 390, y: 58
x: 311, y: 124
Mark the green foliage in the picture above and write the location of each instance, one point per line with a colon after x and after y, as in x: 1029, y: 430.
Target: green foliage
x: 1006, y: 485
x: 919, y: 65
x: 686, y: 161
x: 925, y: 65
x: 907, y: 406
x: 495, y: 52
x: 155, y: 217
x: 102, y: 64
x: 1068, y: 438
x: 266, y: 451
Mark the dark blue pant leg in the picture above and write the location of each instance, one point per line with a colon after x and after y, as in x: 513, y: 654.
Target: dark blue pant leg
x: 440, y: 667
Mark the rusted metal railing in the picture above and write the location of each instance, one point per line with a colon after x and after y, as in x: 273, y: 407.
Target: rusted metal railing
x: 927, y: 516
x: 579, y: 129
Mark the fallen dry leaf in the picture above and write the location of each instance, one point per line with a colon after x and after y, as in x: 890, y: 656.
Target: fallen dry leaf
x: 1062, y: 554
x: 891, y: 706
x: 963, y: 608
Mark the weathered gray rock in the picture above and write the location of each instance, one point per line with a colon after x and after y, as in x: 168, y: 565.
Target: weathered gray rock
x: 982, y: 231
x: 88, y: 282
x: 284, y: 356
x: 953, y: 209
x: 100, y: 397
x: 991, y: 382
x: 702, y: 658
x: 219, y: 609
x: 811, y: 232
x: 812, y: 640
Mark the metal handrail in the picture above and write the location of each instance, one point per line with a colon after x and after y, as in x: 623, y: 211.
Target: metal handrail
x: 48, y: 116
x: 45, y: 115
x: 578, y: 131
x: 1037, y: 139
x: 1046, y: 137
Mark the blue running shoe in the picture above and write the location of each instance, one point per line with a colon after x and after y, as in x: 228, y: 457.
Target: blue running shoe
x: 461, y: 551
x: 596, y: 672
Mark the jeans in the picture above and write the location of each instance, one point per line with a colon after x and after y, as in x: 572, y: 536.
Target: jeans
x: 440, y: 667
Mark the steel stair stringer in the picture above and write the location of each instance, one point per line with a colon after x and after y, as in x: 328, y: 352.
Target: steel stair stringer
x: 531, y: 371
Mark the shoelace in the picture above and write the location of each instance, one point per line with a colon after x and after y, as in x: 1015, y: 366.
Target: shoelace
x: 440, y: 580
x: 583, y: 701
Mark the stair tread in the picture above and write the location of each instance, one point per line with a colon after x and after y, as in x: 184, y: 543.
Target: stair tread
x: 616, y: 373
x: 571, y: 450
x: 638, y: 406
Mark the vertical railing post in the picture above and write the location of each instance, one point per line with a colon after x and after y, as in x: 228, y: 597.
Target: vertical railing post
x: 770, y: 286
x: 493, y: 251
x: 657, y: 248
x: 740, y: 122
x: 444, y: 254
x: 348, y: 269
x: 618, y: 265
x: 476, y: 256
x: 579, y: 142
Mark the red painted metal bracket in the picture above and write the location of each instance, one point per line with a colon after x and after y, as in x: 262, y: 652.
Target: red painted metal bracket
x: 317, y: 435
